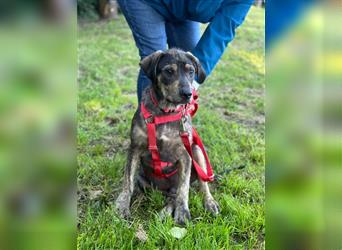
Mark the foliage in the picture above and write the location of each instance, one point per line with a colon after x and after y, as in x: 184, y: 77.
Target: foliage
x: 87, y: 9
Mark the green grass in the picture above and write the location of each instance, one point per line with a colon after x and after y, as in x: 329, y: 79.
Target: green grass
x: 230, y: 121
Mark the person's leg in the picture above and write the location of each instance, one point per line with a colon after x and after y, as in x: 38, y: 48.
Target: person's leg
x: 148, y: 29
x: 183, y: 35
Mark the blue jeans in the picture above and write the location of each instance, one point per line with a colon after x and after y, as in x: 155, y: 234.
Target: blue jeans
x: 152, y: 32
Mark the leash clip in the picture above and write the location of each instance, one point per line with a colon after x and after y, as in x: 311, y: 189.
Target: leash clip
x: 182, y: 127
x: 149, y: 119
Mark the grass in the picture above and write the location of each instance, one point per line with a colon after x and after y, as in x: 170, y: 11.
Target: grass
x: 230, y: 121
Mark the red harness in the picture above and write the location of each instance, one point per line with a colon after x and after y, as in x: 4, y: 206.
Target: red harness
x: 152, y: 121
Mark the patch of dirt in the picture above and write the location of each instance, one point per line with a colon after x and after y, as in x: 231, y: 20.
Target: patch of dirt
x: 245, y: 114
x: 111, y: 121
x: 250, y: 122
x: 110, y: 145
x: 258, y: 93
x: 128, y: 106
x: 123, y: 71
x: 93, y: 196
x: 129, y: 93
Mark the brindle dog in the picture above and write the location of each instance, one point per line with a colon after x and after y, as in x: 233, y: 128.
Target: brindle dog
x: 172, y: 73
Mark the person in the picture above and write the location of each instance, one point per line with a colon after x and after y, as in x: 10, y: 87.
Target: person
x: 176, y: 23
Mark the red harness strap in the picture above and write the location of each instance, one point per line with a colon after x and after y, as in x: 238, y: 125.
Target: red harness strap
x: 152, y: 121
x: 209, y: 176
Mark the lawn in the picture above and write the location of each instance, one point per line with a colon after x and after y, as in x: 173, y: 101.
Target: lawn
x: 230, y: 121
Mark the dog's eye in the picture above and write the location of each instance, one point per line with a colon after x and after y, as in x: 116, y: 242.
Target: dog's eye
x: 191, y: 73
x: 169, y: 71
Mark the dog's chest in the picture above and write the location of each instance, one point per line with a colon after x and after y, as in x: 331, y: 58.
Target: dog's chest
x: 169, y: 141
x: 168, y: 135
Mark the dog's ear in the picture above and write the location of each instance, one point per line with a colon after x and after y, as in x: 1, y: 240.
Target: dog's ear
x: 149, y: 64
x: 200, y: 73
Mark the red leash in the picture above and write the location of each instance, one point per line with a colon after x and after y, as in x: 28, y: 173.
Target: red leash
x: 152, y: 121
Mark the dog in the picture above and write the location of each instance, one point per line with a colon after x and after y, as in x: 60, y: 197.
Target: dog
x: 172, y: 75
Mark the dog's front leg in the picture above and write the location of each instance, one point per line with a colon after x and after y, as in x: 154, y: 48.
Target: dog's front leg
x: 124, y: 199
x: 182, y: 212
x: 209, y: 202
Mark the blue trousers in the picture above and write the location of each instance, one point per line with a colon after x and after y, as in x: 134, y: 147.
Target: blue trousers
x: 152, y: 32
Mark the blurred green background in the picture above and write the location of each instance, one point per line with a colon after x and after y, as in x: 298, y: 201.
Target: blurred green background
x: 38, y: 69
x: 303, y: 133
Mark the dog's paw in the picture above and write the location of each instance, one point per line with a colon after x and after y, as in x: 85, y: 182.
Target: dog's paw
x: 182, y: 214
x: 166, y: 211
x: 122, y: 205
x: 212, y: 206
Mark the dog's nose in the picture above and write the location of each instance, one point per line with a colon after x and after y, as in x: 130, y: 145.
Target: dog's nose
x: 186, y: 95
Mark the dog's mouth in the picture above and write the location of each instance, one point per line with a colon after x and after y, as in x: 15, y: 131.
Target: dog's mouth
x: 179, y: 101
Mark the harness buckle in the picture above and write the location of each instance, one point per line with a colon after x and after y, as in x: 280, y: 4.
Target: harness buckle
x: 149, y: 119
x: 182, y: 128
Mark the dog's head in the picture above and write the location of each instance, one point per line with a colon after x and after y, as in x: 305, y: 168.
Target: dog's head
x: 172, y: 73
